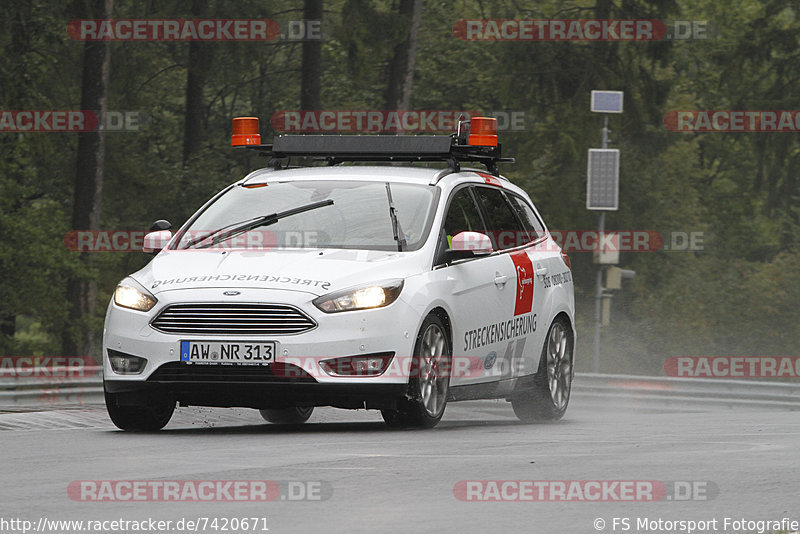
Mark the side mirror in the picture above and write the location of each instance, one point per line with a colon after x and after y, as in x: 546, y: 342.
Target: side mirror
x: 476, y: 242
x: 155, y: 241
x: 465, y: 245
x: 160, y: 224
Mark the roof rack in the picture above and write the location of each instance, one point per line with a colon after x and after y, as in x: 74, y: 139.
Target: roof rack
x: 478, y: 146
x: 337, y: 149
x: 475, y: 140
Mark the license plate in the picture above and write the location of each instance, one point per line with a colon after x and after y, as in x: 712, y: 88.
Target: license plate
x: 228, y: 353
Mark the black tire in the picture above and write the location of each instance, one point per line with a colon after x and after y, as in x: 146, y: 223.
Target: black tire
x: 148, y: 413
x: 429, y: 383
x: 294, y: 415
x: 547, y: 399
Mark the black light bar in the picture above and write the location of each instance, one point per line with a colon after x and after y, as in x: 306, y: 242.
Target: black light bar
x: 340, y: 148
x: 361, y: 145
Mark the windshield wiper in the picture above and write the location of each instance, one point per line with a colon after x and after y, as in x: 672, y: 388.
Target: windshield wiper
x: 203, y: 237
x: 265, y: 220
x: 396, y: 230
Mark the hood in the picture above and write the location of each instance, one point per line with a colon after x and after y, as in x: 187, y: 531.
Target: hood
x: 312, y: 271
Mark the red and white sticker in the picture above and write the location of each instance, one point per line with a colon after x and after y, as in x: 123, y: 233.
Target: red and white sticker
x: 524, y: 271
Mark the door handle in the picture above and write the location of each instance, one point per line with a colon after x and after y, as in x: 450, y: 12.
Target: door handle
x: 500, y: 279
x: 541, y: 271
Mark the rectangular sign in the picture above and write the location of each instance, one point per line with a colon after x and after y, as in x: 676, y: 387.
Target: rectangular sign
x: 228, y: 352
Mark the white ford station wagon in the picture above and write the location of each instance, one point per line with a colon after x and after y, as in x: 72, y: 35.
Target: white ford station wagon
x: 395, y: 288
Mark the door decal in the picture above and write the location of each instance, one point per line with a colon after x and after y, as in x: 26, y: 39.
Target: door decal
x: 524, y: 272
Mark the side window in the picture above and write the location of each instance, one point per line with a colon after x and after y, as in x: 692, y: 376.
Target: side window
x: 462, y: 215
x: 504, y: 228
x: 530, y: 222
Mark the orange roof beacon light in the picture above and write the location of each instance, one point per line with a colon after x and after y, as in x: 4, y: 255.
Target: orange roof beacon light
x: 482, y: 131
x: 245, y: 131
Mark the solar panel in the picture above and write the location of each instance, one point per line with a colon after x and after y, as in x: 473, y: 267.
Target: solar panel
x: 602, y: 184
x: 607, y: 101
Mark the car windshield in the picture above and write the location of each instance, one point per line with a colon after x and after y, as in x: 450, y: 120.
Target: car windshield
x: 345, y: 214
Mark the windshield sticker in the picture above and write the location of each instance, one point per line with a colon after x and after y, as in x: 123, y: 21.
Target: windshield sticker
x: 320, y: 284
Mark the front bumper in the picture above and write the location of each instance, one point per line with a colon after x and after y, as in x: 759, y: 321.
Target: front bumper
x: 295, y: 378
x: 261, y: 395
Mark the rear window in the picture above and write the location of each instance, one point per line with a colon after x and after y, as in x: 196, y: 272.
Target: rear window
x: 504, y: 227
x: 530, y: 222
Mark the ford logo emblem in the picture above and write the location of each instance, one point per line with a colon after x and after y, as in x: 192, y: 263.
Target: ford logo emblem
x: 231, y: 293
x: 490, y: 359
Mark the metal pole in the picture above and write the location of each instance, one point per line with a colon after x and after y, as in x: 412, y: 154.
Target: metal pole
x: 598, y: 303
x: 598, y: 296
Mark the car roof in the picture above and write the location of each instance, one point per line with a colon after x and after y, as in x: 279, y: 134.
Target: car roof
x: 420, y: 175
x: 397, y: 174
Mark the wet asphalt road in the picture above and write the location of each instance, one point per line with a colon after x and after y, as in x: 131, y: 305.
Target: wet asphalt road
x: 345, y: 471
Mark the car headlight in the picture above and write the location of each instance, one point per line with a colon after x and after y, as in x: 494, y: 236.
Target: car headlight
x: 128, y: 295
x: 364, y: 297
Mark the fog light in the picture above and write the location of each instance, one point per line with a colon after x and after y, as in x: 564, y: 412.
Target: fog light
x: 366, y: 365
x: 126, y: 364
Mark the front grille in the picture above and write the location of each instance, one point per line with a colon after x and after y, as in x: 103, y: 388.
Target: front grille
x: 225, y: 319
